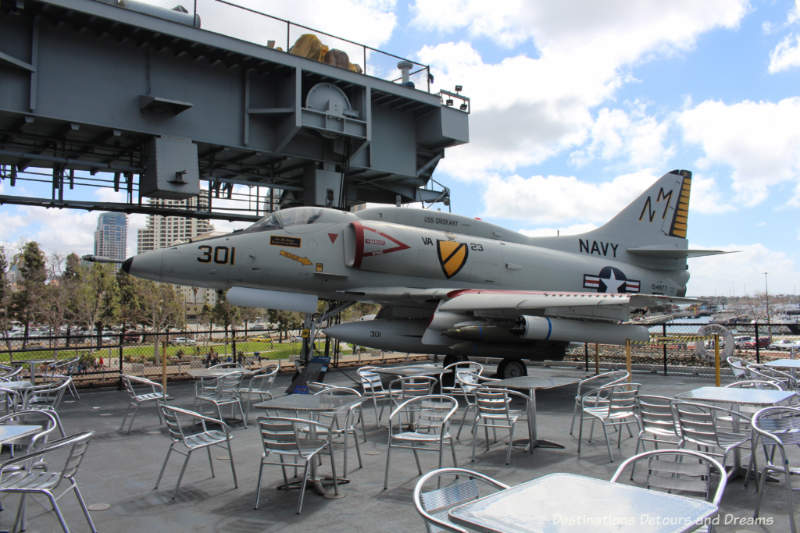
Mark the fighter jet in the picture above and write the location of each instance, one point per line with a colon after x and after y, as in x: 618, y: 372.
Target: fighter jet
x: 450, y: 284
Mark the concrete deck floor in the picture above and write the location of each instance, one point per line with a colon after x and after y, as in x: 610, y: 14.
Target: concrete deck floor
x: 120, y: 470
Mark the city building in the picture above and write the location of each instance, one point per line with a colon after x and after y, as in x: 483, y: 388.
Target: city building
x: 162, y: 231
x: 110, y: 237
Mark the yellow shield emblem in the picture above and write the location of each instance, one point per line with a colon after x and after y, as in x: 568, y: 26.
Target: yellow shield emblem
x: 452, y: 256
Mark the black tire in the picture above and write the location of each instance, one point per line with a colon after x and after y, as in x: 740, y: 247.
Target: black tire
x: 511, y: 368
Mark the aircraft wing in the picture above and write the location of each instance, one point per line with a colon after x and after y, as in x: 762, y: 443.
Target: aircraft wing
x: 583, y: 305
x: 511, y: 304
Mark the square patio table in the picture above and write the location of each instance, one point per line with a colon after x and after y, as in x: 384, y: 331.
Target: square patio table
x: 531, y: 384
x: 409, y: 370
x: 785, y: 364
x: 558, y: 503
x: 10, y: 432
x: 32, y: 364
x: 737, y: 396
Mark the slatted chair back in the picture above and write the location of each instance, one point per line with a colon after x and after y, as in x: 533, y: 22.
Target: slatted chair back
x: 655, y: 414
x: 493, y: 403
x: 406, y: 387
x: 448, y: 378
x: 431, y: 413
x: 686, y: 472
x: 621, y: 398
x: 710, y: 425
x: 279, y: 435
x: 433, y: 505
x: 228, y: 387
x: 370, y: 381
x: 173, y: 423
x: 262, y: 380
x: 48, y: 395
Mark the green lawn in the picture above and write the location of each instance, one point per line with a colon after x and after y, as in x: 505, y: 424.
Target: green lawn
x: 144, y: 352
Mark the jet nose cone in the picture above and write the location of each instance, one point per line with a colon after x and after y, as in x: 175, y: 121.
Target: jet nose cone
x: 148, y: 265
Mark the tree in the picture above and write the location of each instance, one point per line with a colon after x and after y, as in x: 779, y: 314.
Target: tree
x: 162, y: 308
x: 98, y: 303
x: 28, y: 300
x: 5, y: 299
x: 70, y: 282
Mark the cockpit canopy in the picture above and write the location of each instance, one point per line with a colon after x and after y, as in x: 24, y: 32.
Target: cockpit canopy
x: 299, y: 216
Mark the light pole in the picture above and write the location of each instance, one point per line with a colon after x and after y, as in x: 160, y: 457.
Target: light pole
x: 766, y: 295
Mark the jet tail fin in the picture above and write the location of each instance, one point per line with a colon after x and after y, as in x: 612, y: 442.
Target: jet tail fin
x: 658, y: 217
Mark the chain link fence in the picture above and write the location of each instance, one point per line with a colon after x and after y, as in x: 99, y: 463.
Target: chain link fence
x: 101, y: 359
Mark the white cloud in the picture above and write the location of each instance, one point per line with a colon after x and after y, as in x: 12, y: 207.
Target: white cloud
x: 544, y: 103
x: 756, y: 140
x: 635, y: 136
x: 549, y: 199
x: 742, y: 273
x: 706, y: 198
x: 785, y: 55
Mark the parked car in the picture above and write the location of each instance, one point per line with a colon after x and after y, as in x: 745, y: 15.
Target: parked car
x: 744, y: 342
x: 183, y: 341
x: 785, y: 344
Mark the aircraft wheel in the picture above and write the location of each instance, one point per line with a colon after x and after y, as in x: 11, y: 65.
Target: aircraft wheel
x: 511, y: 368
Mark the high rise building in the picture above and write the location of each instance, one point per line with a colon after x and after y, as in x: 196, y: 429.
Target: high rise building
x: 162, y: 231
x: 110, y: 237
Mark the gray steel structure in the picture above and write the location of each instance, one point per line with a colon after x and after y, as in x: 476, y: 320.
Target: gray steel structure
x: 159, y: 104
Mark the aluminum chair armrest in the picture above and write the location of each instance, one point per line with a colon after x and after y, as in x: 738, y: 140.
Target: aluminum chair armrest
x: 11, y: 464
x: 202, y: 418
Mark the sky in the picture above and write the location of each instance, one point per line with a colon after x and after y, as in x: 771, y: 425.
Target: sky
x: 576, y: 107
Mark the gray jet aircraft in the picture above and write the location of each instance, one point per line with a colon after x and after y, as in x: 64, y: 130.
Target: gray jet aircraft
x: 450, y: 284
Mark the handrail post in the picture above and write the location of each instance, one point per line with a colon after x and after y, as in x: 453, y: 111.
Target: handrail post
x: 664, y: 345
x: 716, y: 359
x: 628, y: 358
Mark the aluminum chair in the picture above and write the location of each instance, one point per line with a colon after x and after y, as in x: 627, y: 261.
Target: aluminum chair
x: 737, y: 366
x: 344, y: 427
x: 590, y: 385
x: 372, y: 388
x: 176, y: 419
x: 260, y: 385
x: 715, y: 430
x: 684, y: 472
x: 406, y: 387
x: 434, y: 505
x: 775, y: 429
x: 226, y: 392
x: 656, y: 422
x: 32, y: 416
x: 66, y: 368
x: 468, y: 382
x: 18, y: 477
x: 282, y: 436
x: 11, y: 375
x: 12, y: 399
x: 448, y: 377
x: 766, y: 373
x: 48, y: 397
x: 429, y: 433
x: 493, y: 412
x: 148, y: 391
x: 611, y: 405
